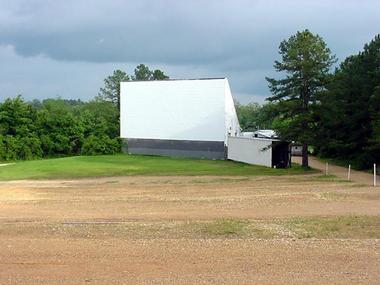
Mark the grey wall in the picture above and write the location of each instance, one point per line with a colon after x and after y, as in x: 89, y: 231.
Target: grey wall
x: 250, y: 150
x: 176, y: 148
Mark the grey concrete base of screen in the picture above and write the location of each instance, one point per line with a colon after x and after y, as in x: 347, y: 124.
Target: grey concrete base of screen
x: 176, y: 148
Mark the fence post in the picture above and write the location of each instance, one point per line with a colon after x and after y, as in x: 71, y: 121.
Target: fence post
x: 349, y: 172
x: 327, y: 169
x: 374, y: 174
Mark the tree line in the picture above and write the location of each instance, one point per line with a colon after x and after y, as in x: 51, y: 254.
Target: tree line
x: 336, y: 112
x: 59, y: 127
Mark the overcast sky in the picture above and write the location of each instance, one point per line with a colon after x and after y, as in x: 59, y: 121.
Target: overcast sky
x: 66, y: 48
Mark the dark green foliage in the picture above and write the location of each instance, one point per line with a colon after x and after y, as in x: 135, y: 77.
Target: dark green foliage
x: 28, y: 147
x: 56, y: 127
x: 254, y: 116
x: 18, y: 130
x: 349, y: 115
x: 306, y: 61
x: 100, y: 145
x: 61, y: 131
x: 111, y: 90
x: 17, y: 117
x: 159, y: 75
x: 100, y: 117
x: 142, y: 72
x: 338, y: 114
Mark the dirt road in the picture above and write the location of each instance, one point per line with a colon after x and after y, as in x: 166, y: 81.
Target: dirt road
x: 341, y: 172
x: 162, y: 230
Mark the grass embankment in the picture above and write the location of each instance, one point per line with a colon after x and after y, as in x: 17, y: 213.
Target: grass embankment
x: 123, y: 164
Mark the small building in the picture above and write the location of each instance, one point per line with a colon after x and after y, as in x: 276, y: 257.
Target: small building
x: 261, y: 147
x: 191, y: 118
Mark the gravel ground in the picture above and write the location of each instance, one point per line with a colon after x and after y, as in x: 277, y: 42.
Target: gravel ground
x: 37, y: 247
x: 182, y: 261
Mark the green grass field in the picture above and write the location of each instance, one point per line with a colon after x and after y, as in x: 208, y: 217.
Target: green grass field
x: 123, y: 165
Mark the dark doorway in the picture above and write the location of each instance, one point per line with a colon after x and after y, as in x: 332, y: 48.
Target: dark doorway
x: 281, y: 154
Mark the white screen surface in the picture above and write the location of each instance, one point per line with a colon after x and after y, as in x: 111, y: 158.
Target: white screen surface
x: 173, y: 109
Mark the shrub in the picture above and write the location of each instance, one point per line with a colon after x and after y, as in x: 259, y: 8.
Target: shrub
x: 101, y: 145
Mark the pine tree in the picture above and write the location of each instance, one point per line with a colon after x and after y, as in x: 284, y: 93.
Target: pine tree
x: 111, y: 90
x: 306, y: 60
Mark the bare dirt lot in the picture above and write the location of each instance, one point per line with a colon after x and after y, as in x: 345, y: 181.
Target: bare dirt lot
x: 190, y: 230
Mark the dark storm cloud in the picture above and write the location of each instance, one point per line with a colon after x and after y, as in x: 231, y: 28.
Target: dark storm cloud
x: 198, y: 32
x: 238, y: 39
